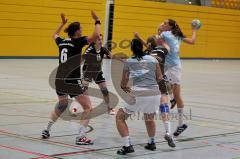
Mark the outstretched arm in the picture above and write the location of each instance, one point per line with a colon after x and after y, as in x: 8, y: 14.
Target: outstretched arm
x: 96, y: 31
x: 59, y: 29
x: 136, y: 35
x: 191, y: 40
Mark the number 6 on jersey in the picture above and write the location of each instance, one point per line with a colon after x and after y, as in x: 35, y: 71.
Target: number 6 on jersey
x: 64, y: 55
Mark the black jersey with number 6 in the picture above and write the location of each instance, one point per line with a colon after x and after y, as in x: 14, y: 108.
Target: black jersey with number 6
x: 68, y: 48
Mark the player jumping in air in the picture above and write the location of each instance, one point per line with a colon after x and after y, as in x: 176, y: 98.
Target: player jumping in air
x: 173, y: 36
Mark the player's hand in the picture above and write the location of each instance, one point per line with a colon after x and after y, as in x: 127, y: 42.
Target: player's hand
x: 94, y: 15
x: 64, y: 20
x: 136, y: 35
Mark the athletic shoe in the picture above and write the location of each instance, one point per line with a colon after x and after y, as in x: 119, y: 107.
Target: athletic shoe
x: 173, y: 103
x: 170, y: 140
x: 83, y: 141
x: 180, y: 129
x: 151, y: 146
x: 125, y: 149
x: 45, y: 134
x: 111, y: 111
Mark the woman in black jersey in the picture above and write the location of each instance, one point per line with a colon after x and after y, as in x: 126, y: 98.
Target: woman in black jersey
x: 92, y: 68
x: 68, y: 79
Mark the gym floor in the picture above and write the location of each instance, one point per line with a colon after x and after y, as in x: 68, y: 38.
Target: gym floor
x: 211, y: 90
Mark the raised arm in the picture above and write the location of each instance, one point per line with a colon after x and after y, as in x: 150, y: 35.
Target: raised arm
x: 136, y: 35
x: 96, y: 31
x: 192, y: 39
x: 59, y: 29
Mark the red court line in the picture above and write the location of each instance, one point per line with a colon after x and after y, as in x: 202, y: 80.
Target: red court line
x: 46, y: 141
x: 27, y: 151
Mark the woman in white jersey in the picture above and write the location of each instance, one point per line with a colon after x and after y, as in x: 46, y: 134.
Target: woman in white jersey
x: 173, y: 36
x: 145, y: 72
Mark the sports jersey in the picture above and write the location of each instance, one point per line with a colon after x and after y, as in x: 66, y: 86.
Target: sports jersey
x: 68, y: 48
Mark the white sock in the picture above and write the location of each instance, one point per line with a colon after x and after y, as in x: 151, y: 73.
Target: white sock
x: 126, y: 141
x: 151, y: 140
x: 82, y: 130
x: 50, y: 123
x: 171, y: 96
x: 167, y: 126
x: 180, y: 116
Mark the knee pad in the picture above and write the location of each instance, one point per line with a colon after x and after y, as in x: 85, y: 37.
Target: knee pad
x: 164, y: 108
x: 163, y: 87
x: 61, y: 107
x: 104, y: 91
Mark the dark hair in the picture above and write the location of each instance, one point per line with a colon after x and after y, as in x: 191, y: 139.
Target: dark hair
x: 152, y: 41
x: 137, y: 49
x: 72, y: 28
x: 176, y: 31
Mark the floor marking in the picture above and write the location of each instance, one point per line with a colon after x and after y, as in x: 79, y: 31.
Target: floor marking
x: 26, y: 151
x: 161, y: 142
x: 43, y: 141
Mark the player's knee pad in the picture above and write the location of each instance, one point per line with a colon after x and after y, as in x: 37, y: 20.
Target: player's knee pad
x: 163, y: 87
x: 164, y: 108
x: 104, y: 91
x: 61, y: 107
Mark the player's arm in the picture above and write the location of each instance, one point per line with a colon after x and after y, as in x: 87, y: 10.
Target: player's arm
x: 159, y: 75
x: 125, y: 79
x: 59, y: 29
x: 136, y: 35
x: 96, y: 31
x: 161, y: 40
x: 110, y: 55
x: 165, y: 45
x: 191, y: 40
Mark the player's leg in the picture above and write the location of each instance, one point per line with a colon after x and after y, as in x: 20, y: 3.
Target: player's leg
x: 54, y: 115
x: 170, y: 93
x: 164, y: 110
x: 124, y: 133
x: 100, y: 81
x: 85, y: 102
x: 180, y: 106
x: 176, y: 82
x: 151, y: 130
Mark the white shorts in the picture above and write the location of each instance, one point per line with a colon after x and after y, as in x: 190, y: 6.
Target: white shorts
x: 174, y: 74
x: 143, y: 104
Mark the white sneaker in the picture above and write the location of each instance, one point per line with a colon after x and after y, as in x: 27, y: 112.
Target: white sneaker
x: 111, y: 111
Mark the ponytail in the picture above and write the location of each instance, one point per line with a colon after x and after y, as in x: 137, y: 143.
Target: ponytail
x: 72, y: 28
x: 176, y: 30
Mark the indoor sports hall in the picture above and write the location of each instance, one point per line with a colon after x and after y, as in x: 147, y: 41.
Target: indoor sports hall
x: 210, y: 79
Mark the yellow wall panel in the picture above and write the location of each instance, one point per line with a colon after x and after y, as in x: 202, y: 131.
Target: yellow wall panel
x: 26, y: 27
x: 218, y: 38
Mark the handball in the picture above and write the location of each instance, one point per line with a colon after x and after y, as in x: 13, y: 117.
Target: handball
x: 196, y: 24
x: 75, y: 107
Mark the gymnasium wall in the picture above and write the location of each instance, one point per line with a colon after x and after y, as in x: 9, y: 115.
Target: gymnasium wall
x: 218, y: 38
x: 27, y: 26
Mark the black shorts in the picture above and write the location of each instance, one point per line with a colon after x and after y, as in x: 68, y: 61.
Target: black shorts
x: 68, y: 90
x: 97, y: 77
